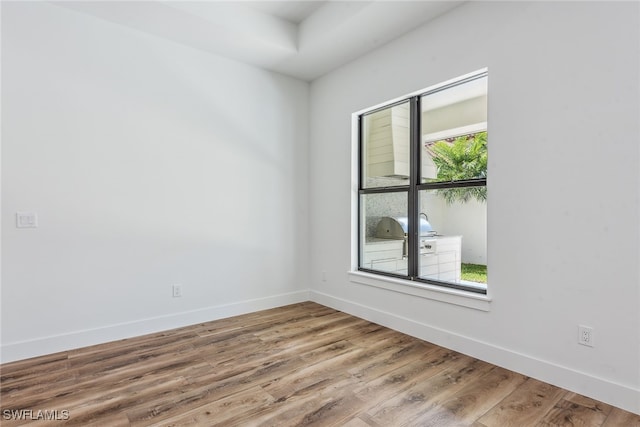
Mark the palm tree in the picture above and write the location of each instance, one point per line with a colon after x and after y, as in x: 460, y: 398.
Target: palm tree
x: 463, y: 158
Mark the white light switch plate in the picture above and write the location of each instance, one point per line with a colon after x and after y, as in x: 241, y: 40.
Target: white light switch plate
x: 26, y: 220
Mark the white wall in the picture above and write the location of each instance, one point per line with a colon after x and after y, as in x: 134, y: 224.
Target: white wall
x: 563, y: 212
x: 148, y: 163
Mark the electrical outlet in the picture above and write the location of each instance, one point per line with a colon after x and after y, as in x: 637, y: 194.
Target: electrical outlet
x: 177, y: 291
x: 26, y: 220
x: 324, y: 276
x: 585, y: 335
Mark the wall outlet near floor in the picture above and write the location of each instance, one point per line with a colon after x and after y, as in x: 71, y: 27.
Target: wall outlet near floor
x: 26, y: 220
x: 177, y: 291
x: 585, y: 335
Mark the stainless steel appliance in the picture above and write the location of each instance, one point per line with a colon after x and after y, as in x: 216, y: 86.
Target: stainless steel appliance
x: 397, y: 228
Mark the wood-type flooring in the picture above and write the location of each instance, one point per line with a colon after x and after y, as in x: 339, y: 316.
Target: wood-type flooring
x: 298, y: 365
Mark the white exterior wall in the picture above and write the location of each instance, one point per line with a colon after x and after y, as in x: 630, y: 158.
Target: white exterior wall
x: 563, y: 214
x: 148, y: 164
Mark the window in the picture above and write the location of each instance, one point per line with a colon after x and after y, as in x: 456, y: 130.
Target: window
x: 422, y: 186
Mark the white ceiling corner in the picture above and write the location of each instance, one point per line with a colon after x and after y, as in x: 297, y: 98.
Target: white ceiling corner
x: 292, y: 11
x: 303, y: 39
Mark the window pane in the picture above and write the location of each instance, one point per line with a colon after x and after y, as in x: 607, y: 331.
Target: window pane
x: 383, y: 228
x: 385, y: 147
x: 457, y: 253
x: 454, y: 137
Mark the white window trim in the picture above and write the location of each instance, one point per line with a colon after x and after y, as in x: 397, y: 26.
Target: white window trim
x: 473, y: 300
x: 423, y: 290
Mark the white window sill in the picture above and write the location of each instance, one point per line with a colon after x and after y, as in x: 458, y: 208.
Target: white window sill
x: 423, y: 290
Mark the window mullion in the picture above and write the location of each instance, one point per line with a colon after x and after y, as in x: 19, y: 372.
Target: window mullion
x: 463, y: 183
x: 414, y: 173
x: 360, y: 187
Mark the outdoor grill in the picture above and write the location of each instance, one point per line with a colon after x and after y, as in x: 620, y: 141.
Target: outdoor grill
x: 397, y: 228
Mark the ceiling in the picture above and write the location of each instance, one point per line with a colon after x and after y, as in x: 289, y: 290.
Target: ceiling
x: 303, y: 39
x: 292, y: 11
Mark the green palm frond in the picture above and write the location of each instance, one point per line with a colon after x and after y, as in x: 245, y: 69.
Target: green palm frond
x: 463, y: 158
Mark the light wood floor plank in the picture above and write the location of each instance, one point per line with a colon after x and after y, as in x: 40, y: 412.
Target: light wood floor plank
x: 328, y: 402
x: 356, y: 422
x: 376, y: 388
x: 299, y: 365
x: 618, y: 418
x: 408, y: 406
x: 527, y: 405
x: 473, y: 400
x: 569, y: 414
x: 221, y: 411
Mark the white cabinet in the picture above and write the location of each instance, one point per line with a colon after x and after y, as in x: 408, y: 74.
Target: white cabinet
x: 383, y: 255
x: 444, y: 261
x: 440, y: 257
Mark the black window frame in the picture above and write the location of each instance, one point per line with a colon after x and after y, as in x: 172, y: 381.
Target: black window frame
x: 413, y: 188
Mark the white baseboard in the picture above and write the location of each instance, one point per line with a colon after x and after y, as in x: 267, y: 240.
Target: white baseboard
x: 604, y: 390
x: 82, y: 338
